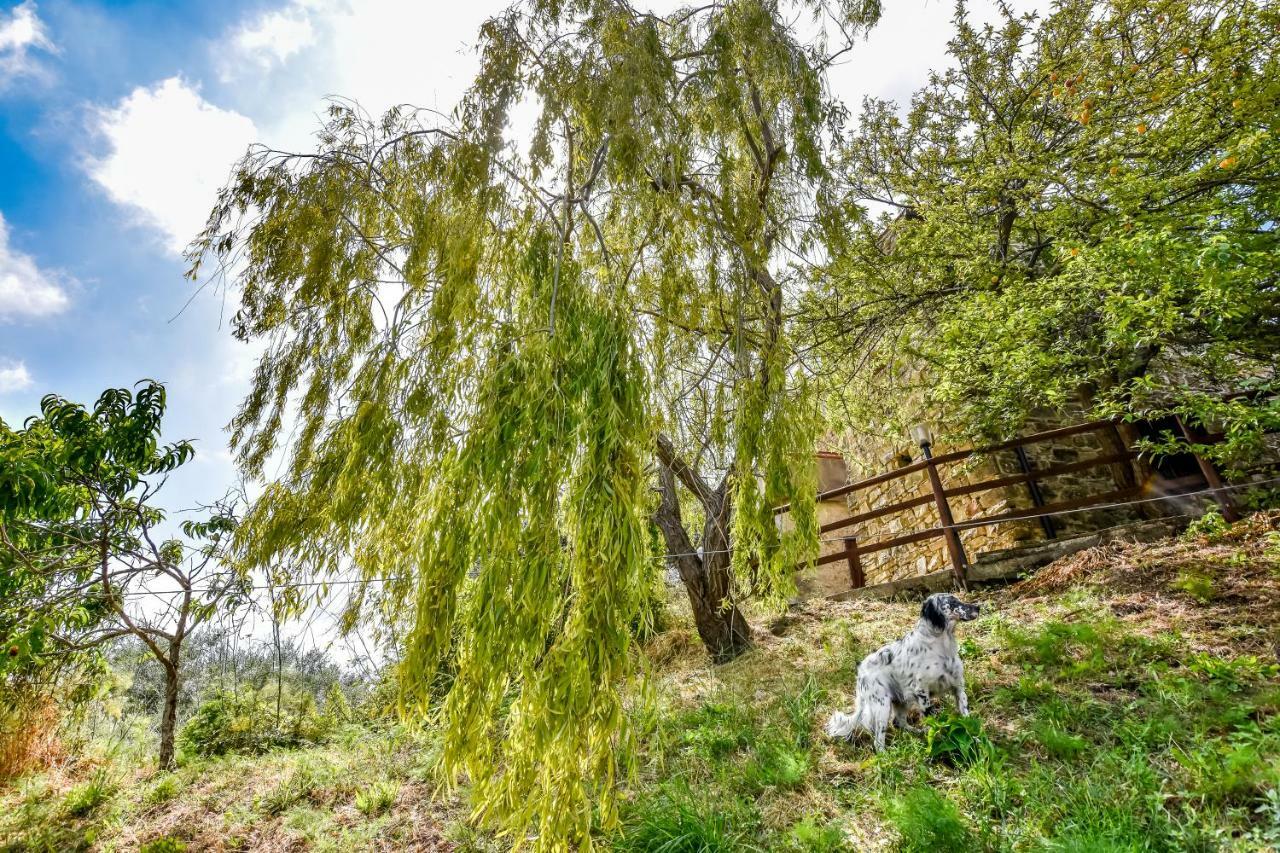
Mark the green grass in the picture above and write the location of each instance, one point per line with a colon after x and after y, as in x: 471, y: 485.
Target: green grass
x: 1098, y: 725
x: 377, y: 798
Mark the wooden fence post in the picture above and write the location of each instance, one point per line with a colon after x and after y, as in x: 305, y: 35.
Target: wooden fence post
x: 1210, y: 473
x: 856, y: 576
x: 954, y: 549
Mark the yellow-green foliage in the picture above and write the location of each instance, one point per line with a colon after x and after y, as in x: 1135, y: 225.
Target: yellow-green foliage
x: 484, y: 343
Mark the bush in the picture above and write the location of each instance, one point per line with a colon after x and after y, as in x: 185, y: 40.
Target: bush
x: 930, y: 823
x: 227, y: 722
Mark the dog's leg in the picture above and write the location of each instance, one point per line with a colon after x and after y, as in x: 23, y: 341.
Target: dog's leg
x: 962, y: 700
x: 879, y: 737
x: 900, y: 719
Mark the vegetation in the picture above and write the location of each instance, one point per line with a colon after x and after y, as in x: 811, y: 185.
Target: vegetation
x: 1117, y: 714
x: 78, y: 545
x: 1083, y: 202
x: 525, y: 376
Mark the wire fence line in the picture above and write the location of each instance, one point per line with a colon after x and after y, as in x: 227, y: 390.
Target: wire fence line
x: 957, y: 526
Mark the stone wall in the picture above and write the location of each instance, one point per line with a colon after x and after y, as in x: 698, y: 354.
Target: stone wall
x: 866, y: 458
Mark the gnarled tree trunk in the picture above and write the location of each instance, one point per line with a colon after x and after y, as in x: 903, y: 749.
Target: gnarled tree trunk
x: 706, y: 574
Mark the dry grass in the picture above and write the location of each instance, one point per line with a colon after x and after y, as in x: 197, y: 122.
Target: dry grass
x: 29, y: 735
x: 1220, y: 591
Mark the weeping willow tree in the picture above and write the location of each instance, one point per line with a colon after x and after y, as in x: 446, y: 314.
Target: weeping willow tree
x: 502, y: 365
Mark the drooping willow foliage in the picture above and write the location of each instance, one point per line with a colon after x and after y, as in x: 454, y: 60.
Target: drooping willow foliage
x: 488, y: 362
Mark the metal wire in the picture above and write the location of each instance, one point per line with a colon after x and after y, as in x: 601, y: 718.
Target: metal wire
x: 963, y: 525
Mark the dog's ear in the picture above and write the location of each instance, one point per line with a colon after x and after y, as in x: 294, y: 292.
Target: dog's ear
x: 932, y: 613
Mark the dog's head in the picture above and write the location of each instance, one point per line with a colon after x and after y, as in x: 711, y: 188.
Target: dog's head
x: 942, y: 610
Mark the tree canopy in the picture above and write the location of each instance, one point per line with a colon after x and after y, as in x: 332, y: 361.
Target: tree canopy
x: 495, y: 354
x: 1084, y: 201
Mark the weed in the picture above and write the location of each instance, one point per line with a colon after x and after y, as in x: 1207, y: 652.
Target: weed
x: 164, y: 844
x: 674, y: 821
x: 162, y: 791
x: 1058, y: 743
x: 956, y: 740
x: 88, y: 795
x: 777, y: 766
x: 717, y: 730
x: 297, y: 787
x: 800, y: 708
x: 1210, y: 525
x: 377, y: 798
x: 810, y: 836
x: 930, y: 823
x: 1199, y: 586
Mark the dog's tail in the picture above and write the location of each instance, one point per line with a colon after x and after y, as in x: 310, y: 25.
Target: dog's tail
x: 870, y: 711
x: 842, y: 726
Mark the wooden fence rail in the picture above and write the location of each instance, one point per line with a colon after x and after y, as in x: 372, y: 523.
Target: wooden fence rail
x: 939, y: 496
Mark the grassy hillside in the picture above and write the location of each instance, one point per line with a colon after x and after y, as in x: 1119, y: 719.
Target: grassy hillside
x: 1126, y: 698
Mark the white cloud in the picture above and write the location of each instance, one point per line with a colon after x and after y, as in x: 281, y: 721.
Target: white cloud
x: 169, y: 152
x: 268, y: 40
x: 14, y: 376
x: 22, y: 32
x: 25, y: 289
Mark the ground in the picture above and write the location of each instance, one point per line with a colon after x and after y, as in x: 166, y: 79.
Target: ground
x: 1125, y: 698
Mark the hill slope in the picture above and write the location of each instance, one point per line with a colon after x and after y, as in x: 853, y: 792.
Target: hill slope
x: 1128, y: 699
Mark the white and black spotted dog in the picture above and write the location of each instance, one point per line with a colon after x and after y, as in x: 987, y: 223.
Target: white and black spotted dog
x: 908, y: 673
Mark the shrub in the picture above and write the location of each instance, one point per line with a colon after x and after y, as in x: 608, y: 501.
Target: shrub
x: 247, y: 722
x: 377, y: 798
x: 930, y: 823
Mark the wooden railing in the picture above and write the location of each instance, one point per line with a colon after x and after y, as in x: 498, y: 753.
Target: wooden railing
x: 946, y: 527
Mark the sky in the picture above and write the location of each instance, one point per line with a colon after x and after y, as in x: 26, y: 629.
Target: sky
x: 120, y: 120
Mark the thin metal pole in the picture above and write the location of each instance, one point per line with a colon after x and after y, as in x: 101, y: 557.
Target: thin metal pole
x: 1037, y: 498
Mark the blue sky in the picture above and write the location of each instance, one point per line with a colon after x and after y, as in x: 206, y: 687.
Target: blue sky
x: 118, y: 121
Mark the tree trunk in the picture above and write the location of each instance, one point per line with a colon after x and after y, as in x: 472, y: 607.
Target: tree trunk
x: 169, y: 717
x: 721, y: 626
x: 723, y: 629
